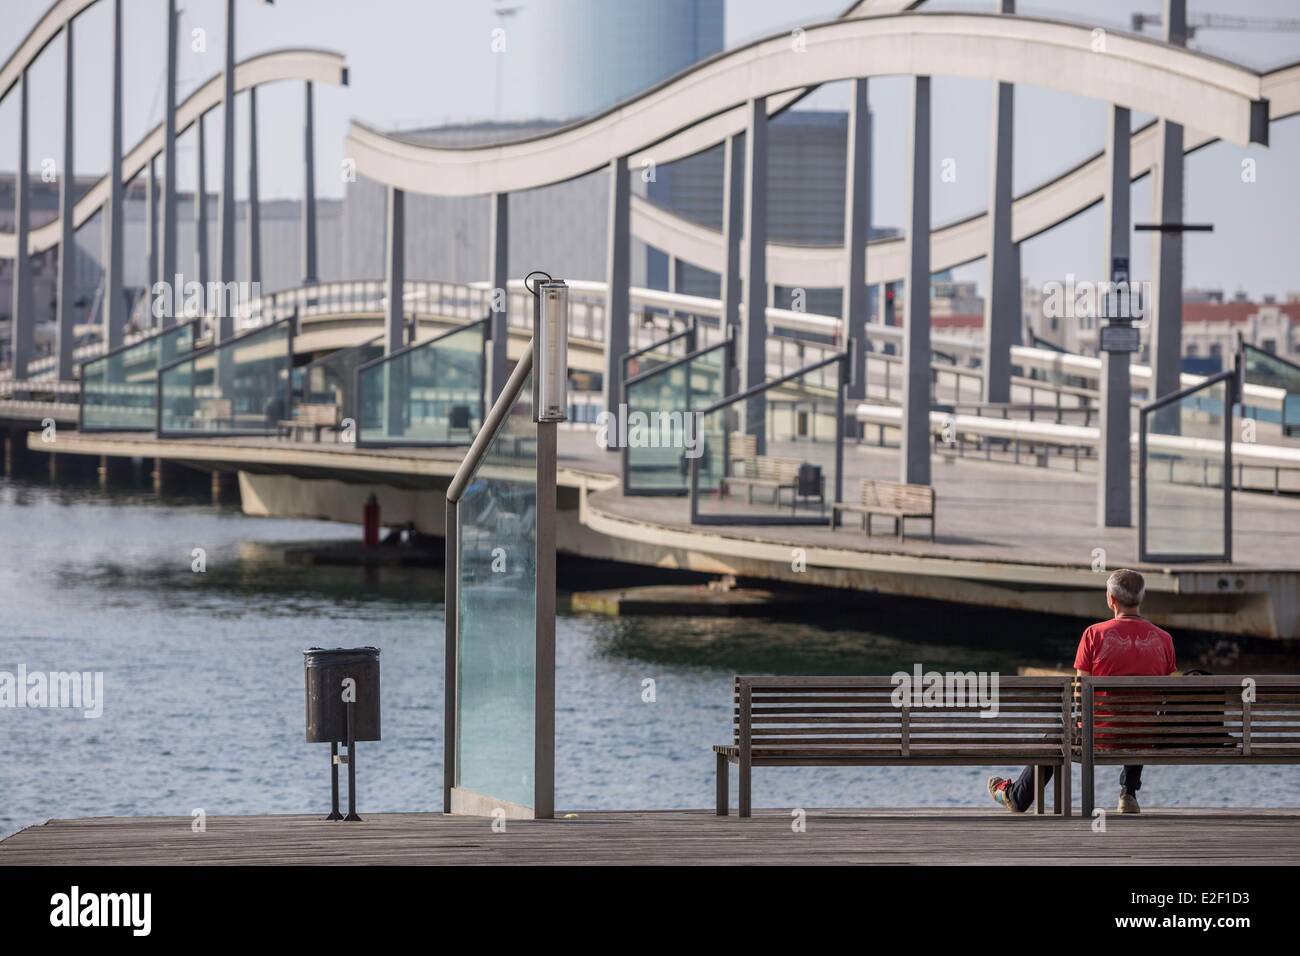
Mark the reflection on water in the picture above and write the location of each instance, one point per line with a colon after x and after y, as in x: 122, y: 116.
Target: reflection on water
x: 204, y: 690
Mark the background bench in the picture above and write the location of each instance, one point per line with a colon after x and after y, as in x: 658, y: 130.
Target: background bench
x: 1186, y: 720
x: 853, y: 722
x: 890, y: 498
x: 308, y: 415
x: 747, y: 468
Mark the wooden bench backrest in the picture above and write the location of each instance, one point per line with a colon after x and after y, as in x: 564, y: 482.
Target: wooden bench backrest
x: 897, y: 497
x: 741, y: 447
x: 218, y: 408
x: 844, y: 717
x: 310, y: 413
x: 1195, y: 716
x: 785, y: 470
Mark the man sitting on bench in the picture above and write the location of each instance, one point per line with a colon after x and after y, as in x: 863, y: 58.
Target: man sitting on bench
x: 1128, y: 645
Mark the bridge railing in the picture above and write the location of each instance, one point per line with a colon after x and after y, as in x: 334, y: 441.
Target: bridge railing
x: 428, y: 394
x: 1264, y: 369
x: 774, y: 453
x: 658, y: 413
x: 119, y: 390
x: 236, y: 388
x: 332, y: 379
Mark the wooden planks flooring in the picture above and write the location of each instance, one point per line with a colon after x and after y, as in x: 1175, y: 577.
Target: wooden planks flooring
x: 1182, y: 838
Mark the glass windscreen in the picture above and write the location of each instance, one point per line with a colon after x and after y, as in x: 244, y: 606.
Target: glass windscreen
x: 239, y: 387
x: 119, y: 391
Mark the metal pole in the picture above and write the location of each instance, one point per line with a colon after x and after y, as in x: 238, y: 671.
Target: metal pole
x: 226, y: 264
x: 201, y: 205
x: 618, y: 293
x: 1167, y: 263
x: 67, y: 233
x: 753, y: 328
x: 733, y: 229
x: 914, y: 459
x: 309, y: 272
x: 254, y: 197
x: 169, y: 271
x: 114, y: 293
x: 151, y: 223
x: 857, y: 224
x: 396, y: 270
x: 23, y: 312
x: 544, y: 669
x: 1002, y: 307
x: 1114, y: 467
x: 499, y: 244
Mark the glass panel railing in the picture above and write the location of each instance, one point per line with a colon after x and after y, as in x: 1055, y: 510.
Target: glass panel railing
x: 1270, y: 371
x: 1185, y: 468
x: 659, y: 353
x: 332, y: 379
x: 773, y: 454
x: 430, y: 393
x: 496, y: 607
x: 662, y: 424
x: 239, y: 387
x: 119, y: 390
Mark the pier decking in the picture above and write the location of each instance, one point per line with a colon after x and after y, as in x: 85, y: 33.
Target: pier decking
x: 959, y: 837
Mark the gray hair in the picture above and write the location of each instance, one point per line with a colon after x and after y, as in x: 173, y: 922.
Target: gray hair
x: 1126, y: 587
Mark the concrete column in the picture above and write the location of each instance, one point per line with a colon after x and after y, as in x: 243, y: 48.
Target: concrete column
x: 67, y: 316
x: 394, y: 323
x: 1114, y: 468
x: 309, y: 273
x: 1002, y: 305
x: 23, y: 340
x: 914, y: 459
x: 752, y: 347
x: 115, y: 311
x: 201, y: 205
x: 169, y: 265
x: 733, y: 230
x: 618, y: 300
x: 857, y: 225
x: 1167, y: 260
x: 254, y: 195
x: 226, y: 261
x: 499, y: 270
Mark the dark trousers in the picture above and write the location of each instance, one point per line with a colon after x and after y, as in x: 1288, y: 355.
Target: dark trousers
x: 1021, y: 790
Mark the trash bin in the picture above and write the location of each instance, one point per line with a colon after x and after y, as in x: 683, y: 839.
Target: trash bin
x: 327, y: 714
x: 335, y: 716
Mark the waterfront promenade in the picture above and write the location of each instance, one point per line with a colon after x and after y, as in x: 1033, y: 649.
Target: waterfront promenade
x: 917, y: 837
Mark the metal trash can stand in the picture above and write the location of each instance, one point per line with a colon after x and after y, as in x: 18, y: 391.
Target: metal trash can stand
x: 342, y: 697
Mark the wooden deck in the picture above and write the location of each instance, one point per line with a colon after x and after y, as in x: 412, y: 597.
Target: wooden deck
x: 932, y: 837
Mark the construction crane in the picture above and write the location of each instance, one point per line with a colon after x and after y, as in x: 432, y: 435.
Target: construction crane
x: 1222, y: 21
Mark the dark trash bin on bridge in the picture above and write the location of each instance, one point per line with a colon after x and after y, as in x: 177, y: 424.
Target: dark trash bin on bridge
x: 338, y: 715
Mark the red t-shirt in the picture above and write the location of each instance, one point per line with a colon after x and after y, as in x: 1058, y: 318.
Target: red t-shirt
x: 1128, y: 646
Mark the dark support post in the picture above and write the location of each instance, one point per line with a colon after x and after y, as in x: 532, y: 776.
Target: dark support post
x: 23, y: 320
x: 1167, y: 262
x: 225, y: 327
x: 201, y: 205
x: 114, y: 305
x: 753, y: 328
x: 334, y: 782
x: 352, y: 769
x: 733, y: 229
x: 1114, y: 466
x: 254, y: 196
x: 309, y: 272
x: 544, y: 672
x: 857, y: 224
x: 67, y: 315
x: 1002, y: 308
x: 723, y: 800
x: 914, y: 459
x: 618, y: 276
x: 746, y: 750
x: 169, y: 162
x: 499, y: 246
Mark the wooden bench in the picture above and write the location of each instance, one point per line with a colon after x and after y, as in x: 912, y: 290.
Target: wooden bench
x: 750, y: 470
x: 855, y: 722
x: 892, y: 499
x: 216, y: 410
x: 309, y: 416
x: 1186, y: 720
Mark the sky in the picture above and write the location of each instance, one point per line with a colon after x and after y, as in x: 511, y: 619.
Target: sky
x: 425, y: 62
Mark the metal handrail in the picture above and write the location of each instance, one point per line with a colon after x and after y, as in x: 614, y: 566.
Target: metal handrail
x: 628, y: 356
x: 674, y: 363
x: 491, y: 424
x: 419, y: 345
x: 764, y: 386
x: 143, y: 340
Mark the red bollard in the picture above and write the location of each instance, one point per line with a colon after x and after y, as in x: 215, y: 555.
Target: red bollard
x: 370, y: 523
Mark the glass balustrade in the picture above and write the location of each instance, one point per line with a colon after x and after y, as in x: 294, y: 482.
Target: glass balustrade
x: 119, y: 390
x: 1270, y: 371
x: 239, y: 387
x: 332, y: 379
x: 773, y: 454
x: 430, y: 393
x: 1185, y: 471
x: 661, y: 431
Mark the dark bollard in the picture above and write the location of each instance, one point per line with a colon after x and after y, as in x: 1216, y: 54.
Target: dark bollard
x: 339, y: 712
